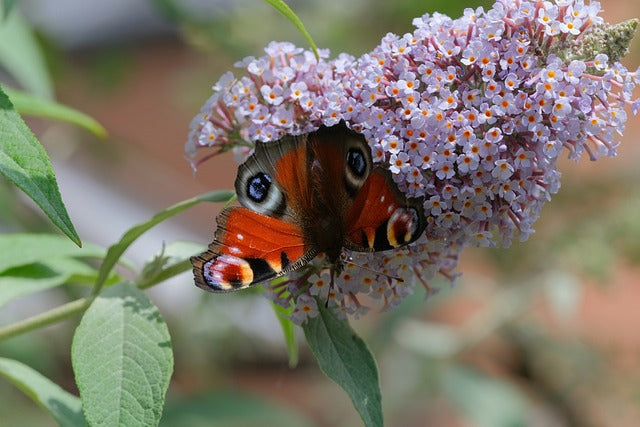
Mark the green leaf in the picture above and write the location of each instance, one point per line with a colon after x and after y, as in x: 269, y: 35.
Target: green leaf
x: 485, y: 401
x: 229, y: 409
x: 345, y: 358
x: 115, y: 251
x: 35, y: 279
x: 285, y: 10
x: 21, y: 56
x: 23, y: 249
x: 24, y: 162
x: 28, y: 104
x: 122, y: 359
x: 63, y: 406
x: 7, y: 6
x: 28, y: 279
x: 289, y: 332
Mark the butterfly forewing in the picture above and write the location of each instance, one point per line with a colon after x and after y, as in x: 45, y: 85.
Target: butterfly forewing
x: 249, y: 248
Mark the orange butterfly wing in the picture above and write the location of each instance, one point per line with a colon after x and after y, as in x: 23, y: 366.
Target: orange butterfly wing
x: 249, y: 248
x: 381, y: 217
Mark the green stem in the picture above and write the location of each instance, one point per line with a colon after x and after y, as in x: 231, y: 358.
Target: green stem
x: 45, y: 319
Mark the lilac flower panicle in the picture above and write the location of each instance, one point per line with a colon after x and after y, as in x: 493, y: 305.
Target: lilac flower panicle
x: 470, y: 113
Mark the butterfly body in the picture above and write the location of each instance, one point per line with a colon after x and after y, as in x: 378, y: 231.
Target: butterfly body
x: 301, y: 196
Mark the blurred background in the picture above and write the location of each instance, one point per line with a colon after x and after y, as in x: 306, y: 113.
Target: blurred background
x: 543, y: 334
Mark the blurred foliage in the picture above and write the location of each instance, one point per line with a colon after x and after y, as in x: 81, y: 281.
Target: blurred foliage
x: 21, y: 57
x: 354, y: 27
x: 14, y: 215
x: 29, y: 105
x: 110, y: 65
x: 229, y: 409
x: 6, y: 6
x: 589, y: 225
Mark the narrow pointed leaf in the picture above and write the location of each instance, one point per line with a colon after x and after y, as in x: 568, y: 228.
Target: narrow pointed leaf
x: 286, y: 11
x: 63, y: 406
x: 21, y: 56
x: 344, y: 357
x: 24, y: 162
x: 27, y: 104
x: 28, y: 279
x: 22, y: 249
x: 122, y: 359
x: 31, y: 278
x: 36, y: 280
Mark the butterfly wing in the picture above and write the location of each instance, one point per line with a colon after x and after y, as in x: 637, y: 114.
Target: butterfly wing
x: 304, y: 176
x: 381, y: 217
x: 308, y: 180
x: 273, y: 177
x: 249, y: 248
x: 303, y: 195
x: 264, y: 238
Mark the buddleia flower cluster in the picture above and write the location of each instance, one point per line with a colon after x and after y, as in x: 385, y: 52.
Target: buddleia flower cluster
x: 470, y: 113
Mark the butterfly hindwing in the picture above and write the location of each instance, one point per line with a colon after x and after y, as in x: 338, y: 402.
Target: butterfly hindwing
x: 249, y: 248
x: 381, y: 217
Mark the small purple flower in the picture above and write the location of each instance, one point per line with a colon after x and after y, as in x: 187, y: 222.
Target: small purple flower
x: 272, y: 95
x: 601, y: 61
x: 297, y: 90
x: 502, y: 170
x: 306, y: 307
x: 283, y: 117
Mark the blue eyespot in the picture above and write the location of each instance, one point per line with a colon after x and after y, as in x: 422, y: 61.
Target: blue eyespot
x: 356, y: 162
x: 258, y: 187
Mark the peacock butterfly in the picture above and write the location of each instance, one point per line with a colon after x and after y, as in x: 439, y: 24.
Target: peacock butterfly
x: 301, y: 196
